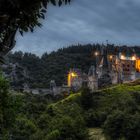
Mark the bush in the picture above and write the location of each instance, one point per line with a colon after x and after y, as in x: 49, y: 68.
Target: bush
x: 23, y: 129
x: 114, y: 124
x: 54, y: 135
x: 69, y: 129
x: 7, y: 109
x: 39, y: 135
x: 136, y: 96
x: 43, y: 121
x: 94, y: 118
x: 123, y: 125
x: 86, y: 98
x: 132, y: 127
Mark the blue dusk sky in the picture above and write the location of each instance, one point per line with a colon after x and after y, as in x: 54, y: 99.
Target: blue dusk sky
x: 85, y: 21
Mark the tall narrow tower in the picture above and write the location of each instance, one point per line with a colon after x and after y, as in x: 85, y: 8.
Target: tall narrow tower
x: 104, y: 71
x: 92, y: 78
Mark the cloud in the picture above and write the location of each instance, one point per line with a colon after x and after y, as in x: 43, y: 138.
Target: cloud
x: 85, y: 22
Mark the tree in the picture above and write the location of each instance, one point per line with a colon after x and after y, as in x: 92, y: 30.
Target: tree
x: 114, y: 125
x: 67, y: 128
x: 23, y: 129
x: 132, y: 127
x: 86, y: 98
x: 7, y: 110
x: 22, y: 16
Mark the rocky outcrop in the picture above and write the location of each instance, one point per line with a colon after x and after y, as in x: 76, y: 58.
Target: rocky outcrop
x: 17, y: 75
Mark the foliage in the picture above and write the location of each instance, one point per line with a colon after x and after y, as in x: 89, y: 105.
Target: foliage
x: 116, y: 111
x: 86, y: 98
x: 67, y: 128
x: 37, y: 117
x: 53, y: 66
x: 114, y: 125
x: 132, y: 127
x: 22, y: 16
x: 94, y: 118
x: 23, y: 129
x: 43, y: 121
x: 123, y: 125
x: 54, y: 135
x: 8, y: 108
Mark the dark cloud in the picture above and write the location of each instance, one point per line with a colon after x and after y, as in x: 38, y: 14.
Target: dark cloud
x: 85, y: 21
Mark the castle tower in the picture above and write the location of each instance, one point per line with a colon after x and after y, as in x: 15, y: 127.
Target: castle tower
x: 104, y: 70
x: 52, y: 84
x: 75, y: 79
x: 128, y: 64
x: 53, y: 87
x: 92, y: 78
x: 114, y: 68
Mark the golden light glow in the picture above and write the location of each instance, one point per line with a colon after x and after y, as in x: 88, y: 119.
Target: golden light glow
x: 71, y: 75
x: 96, y: 53
x: 122, y: 57
x: 138, y: 65
x: 133, y: 58
x: 110, y: 56
x: 69, y: 80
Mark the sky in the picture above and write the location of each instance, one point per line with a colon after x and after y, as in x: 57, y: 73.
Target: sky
x: 85, y: 21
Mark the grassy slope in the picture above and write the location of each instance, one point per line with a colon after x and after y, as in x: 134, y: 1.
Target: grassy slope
x: 112, y: 93
x: 109, y: 99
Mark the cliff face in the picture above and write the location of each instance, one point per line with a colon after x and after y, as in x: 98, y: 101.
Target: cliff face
x: 17, y: 75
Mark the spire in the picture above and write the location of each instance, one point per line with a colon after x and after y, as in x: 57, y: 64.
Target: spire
x: 92, y: 71
x: 104, y: 62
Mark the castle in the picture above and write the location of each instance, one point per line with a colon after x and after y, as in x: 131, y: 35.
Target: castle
x: 109, y: 68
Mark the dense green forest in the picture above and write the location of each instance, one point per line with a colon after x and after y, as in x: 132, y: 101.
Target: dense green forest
x: 55, y: 66
x: 115, y: 111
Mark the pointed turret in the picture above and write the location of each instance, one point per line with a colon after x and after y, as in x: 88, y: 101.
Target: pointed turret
x: 104, y: 64
x: 93, y: 78
x: 104, y: 70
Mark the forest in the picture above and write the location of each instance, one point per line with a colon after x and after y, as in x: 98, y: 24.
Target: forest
x: 84, y: 115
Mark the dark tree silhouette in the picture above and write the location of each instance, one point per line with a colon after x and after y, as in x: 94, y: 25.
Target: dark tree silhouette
x: 22, y: 16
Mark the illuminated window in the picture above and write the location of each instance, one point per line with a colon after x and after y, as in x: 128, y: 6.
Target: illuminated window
x: 138, y: 65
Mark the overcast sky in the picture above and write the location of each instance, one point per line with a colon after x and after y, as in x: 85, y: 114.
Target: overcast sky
x: 85, y: 21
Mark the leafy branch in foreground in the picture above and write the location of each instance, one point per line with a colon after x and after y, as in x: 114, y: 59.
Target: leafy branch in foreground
x: 22, y: 16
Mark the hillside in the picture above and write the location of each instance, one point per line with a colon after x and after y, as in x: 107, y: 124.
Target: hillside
x: 112, y: 110
x: 56, y: 65
x: 111, y: 113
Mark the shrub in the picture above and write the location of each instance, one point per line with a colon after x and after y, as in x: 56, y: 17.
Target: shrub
x: 43, y: 121
x: 54, y: 135
x: 7, y: 109
x: 123, y: 125
x: 86, y: 98
x: 94, y: 118
x: 132, y: 127
x: 113, y: 126
x: 136, y: 96
x: 69, y: 128
x: 23, y: 129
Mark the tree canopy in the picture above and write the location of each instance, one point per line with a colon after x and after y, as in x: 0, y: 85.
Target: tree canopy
x: 22, y: 16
